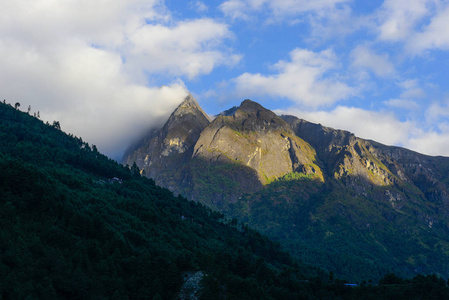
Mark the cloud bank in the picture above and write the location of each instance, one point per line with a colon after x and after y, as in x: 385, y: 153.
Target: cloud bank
x: 97, y: 67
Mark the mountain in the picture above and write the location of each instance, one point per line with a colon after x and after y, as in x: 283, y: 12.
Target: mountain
x: 255, y: 137
x: 243, y: 149
x: 77, y: 225
x: 352, y: 206
x: 172, y: 145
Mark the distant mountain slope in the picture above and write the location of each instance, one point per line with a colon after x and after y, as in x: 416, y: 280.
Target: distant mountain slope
x: 353, y: 206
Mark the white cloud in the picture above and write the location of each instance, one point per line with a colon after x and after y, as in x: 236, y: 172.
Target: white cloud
x: 413, y: 93
x: 420, y: 24
x: 433, y: 135
x: 304, y: 79
x: 399, y: 17
x: 84, y: 88
x: 411, y: 89
x: 235, y: 9
x: 199, y: 6
x: 437, y: 111
x: 407, y: 99
x: 89, y: 64
x: 402, y: 104
x: 278, y: 8
x: 432, y: 142
x: 433, y: 36
x: 337, y: 23
x: 286, y: 7
x: 189, y: 48
x: 364, y: 57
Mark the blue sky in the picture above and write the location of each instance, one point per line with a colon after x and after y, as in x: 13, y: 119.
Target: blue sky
x: 110, y: 69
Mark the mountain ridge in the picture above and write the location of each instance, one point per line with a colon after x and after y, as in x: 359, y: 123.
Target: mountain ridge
x: 298, y: 181
x: 169, y: 146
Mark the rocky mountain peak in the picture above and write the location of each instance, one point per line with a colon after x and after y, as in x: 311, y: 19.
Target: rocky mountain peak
x: 251, y: 106
x: 189, y: 106
x: 251, y: 116
x: 229, y: 112
x: 171, y: 145
x: 255, y: 137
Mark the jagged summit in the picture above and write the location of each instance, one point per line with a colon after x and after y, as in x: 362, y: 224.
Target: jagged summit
x: 247, y: 106
x: 228, y: 112
x: 259, y: 144
x: 185, y: 123
x: 268, y: 147
x: 189, y: 106
x: 250, y: 105
x: 251, y: 116
x: 256, y: 138
x: 171, y: 145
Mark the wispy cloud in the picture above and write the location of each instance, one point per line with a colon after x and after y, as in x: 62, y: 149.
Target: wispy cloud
x: 398, y: 18
x: 189, y: 48
x: 199, y: 6
x: 306, y: 79
x: 379, y: 64
x: 278, y: 9
x: 419, y: 24
x: 435, y: 35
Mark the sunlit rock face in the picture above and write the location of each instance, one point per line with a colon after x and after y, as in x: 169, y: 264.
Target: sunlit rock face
x: 361, y: 164
x: 255, y: 137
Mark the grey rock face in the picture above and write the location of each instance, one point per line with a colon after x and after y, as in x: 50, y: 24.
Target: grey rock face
x: 191, y: 288
x: 249, y: 146
x: 170, y: 146
x: 348, y: 158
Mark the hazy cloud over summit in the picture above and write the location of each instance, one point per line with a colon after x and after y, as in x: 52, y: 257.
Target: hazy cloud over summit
x: 91, y: 64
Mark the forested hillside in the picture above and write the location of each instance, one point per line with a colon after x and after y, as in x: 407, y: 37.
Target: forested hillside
x: 77, y: 225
